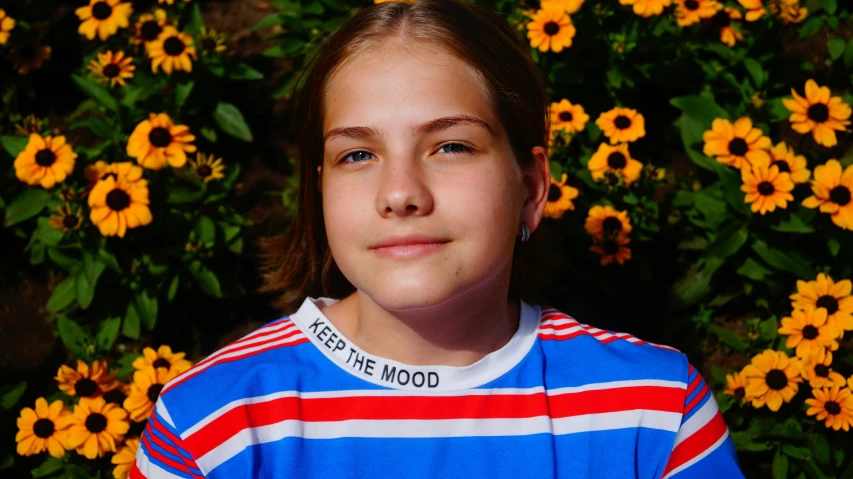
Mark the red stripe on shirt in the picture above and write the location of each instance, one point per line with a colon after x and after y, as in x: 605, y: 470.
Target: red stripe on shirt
x: 696, y: 444
x: 155, y: 454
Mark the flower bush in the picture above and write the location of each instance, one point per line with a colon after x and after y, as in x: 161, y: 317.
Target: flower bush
x: 701, y: 195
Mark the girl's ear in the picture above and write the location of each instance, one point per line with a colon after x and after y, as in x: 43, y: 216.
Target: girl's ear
x: 537, y: 179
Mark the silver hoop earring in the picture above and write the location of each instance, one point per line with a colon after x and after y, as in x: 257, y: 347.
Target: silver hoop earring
x: 525, y: 232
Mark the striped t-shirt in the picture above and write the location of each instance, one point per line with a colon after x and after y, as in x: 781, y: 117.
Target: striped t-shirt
x: 296, y: 399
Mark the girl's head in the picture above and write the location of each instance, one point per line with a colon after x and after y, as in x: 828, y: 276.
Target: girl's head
x: 422, y: 119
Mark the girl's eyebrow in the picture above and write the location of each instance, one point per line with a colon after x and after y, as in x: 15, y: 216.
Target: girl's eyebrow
x: 359, y: 132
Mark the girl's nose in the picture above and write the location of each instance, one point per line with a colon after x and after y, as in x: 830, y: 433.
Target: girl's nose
x: 403, y: 190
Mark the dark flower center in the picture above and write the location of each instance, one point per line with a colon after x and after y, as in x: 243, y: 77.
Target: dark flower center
x: 45, y: 157
x: 115, y: 396
x: 832, y: 407
x: 85, y: 388
x: 111, y: 71
x: 622, y: 122
x: 721, y: 19
x: 776, y: 379
x: 162, y: 363
x: 738, y: 147
x: 740, y: 393
x: 818, y: 112
x: 70, y: 221
x: 766, y: 188
x: 118, y: 199
x: 783, y: 166
x: 691, y: 5
x: 43, y: 428
x: 205, y: 170
x: 616, y: 160
x: 828, y: 302
x: 96, y: 422
x: 154, y: 392
x: 208, y: 44
x: 173, y: 46
x: 821, y: 370
x: 610, y: 247
x: 566, y: 116
x: 551, y: 28
x: 611, y: 225
x: 160, y: 137
x: 554, y: 193
x: 150, y: 30
x: 810, y: 332
x: 102, y: 10
x: 840, y: 195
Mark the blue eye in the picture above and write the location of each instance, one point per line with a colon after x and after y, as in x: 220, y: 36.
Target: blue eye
x: 457, y: 148
x: 357, y: 156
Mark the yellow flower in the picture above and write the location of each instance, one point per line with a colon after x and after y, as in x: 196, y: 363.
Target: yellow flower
x: 807, y: 330
x: 789, y: 11
x: 754, y: 9
x: 784, y: 158
x: 569, y: 117
x: 833, y: 190
x: 111, y: 68
x: 688, y: 12
x: 207, y: 168
x: 560, y: 196
x: 766, y: 188
x: 604, y: 222
x: 172, y: 50
x: 614, y: 159
x: 817, y: 372
x: 568, y: 6
x: 739, y: 145
x: 162, y: 358
x: 67, y: 220
x: 212, y: 41
x: 144, y: 391
x: 647, y: 8
x: 96, y: 427
x: 119, y: 204
x: 722, y: 21
x: 102, y: 170
x: 43, y: 429
x: 612, y: 249
x: 103, y: 18
x: 149, y: 26
x: 818, y: 112
x: 825, y: 294
x: 736, y: 386
x: 157, y: 141
x: 7, y: 24
x: 85, y: 381
x: 834, y: 404
x: 551, y: 29
x: 622, y: 125
x: 45, y: 161
x: 124, y: 458
x: 772, y: 378
x: 30, y: 57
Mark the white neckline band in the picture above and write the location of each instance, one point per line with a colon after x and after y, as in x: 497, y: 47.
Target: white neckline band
x: 393, y: 374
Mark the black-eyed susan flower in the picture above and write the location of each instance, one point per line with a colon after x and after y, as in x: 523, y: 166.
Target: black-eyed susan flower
x: 66, y: 218
x: 818, y: 112
x: 754, y: 9
x: 45, y: 161
x: 172, y: 51
x: 568, y: 117
x: 832, y: 405
x: 568, y: 6
x: 164, y: 358
x: 817, y: 370
x: 96, y: 427
x: 722, y: 21
x: 157, y: 141
x: 7, y: 24
x: 207, y: 168
x: 622, y: 125
x: 212, y: 41
x: 144, y: 391
x: 736, y: 386
x: 560, y: 196
x: 787, y: 161
x: 124, y: 458
x: 766, y: 188
x: 739, y: 145
x: 43, y: 429
x: 149, y: 26
x: 101, y: 170
x: 605, y: 222
x: 614, y: 159
x: 689, y: 12
x: 612, y: 249
x: 29, y: 57
x: 824, y: 293
x: 86, y: 380
x: 119, y: 204
x: 551, y: 29
x: 103, y: 18
x: 807, y: 331
x: 789, y: 11
x: 772, y: 378
x: 647, y: 8
x: 112, y: 68
x: 833, y: 193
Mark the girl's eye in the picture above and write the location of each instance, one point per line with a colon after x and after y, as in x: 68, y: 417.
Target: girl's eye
x: 456, y: 148
x: 357, y: 156
x: 451, y: 148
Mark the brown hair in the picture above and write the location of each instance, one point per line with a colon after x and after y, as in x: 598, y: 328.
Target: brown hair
x: 299, y: 263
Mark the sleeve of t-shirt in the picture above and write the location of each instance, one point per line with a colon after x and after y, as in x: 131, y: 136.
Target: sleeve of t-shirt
x: 703, y: 447
x: 161, y: 453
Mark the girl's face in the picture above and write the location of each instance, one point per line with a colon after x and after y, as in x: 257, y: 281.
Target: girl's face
x: 416, y: 160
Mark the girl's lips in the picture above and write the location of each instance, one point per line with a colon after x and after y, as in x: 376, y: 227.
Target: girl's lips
x: 409, y: 250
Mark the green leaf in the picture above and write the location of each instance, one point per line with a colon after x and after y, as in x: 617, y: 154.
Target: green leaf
x: 793, y: 224
x: 313, y: 8
x: 85, y: 290
x: 6, y: 460
x: 755, y: 71
x: 288, y: 47
x: 241, y: 71
x: 800, y: 453
x: 820, y: 448
x: 173, y: 288
x: 829, y: 6
x: 207, y: 280
x: 185, y: 193
x: 64, y: 294
x: 268, y: 21
x: 11, y: 394
x: 37, y: 253
x: 146, y: 308
x: 130, y: 325
x: 699, y: 108
x: 768, y: 329
x: 96, y: 91
x: 231, y: 120
x: 26, y: 205
x: 789, y: 261
x: 107, y: 333
x: 693, y: 286
x: 811, y: 26
x: 125, y: 364
x: 728, y: 337
x: 48, y: 467
x: 780, y: 465
x: 729, y: 241
x: 14, y: 145
x: 833, y: 246
x: 196, y: 21
x: 73, y: 336
x: 835, y: 47
x: 778, y: 111
x: 182, y: 92
x: 753, y: 270
x: 109, y: 260
x: 205, y: 228
x: 46, y: 233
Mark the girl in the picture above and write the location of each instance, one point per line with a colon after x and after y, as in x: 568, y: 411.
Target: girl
x: 411, y: 350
